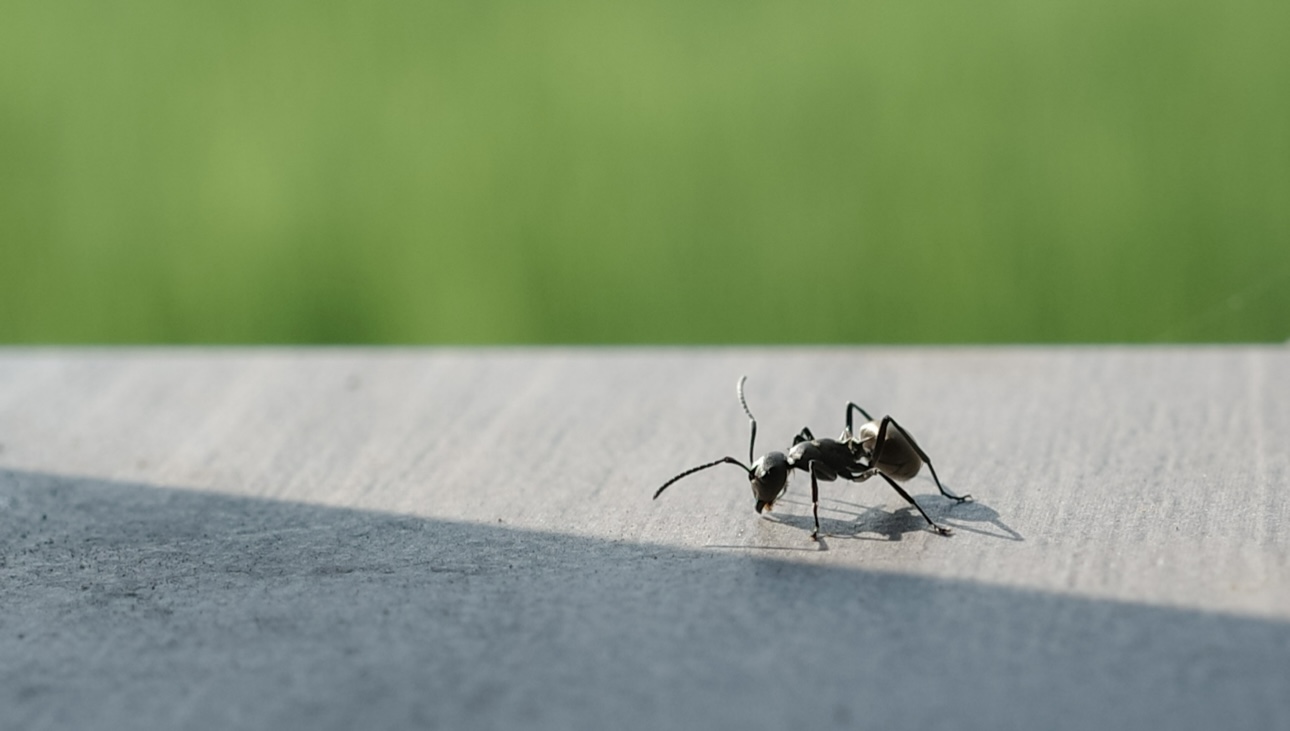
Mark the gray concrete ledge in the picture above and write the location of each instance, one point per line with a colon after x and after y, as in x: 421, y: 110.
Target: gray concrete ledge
x: 464, y: 538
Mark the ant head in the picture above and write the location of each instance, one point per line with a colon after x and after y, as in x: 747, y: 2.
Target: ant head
x: 769, y: 478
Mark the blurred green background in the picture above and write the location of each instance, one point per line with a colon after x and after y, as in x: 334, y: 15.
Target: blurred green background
x: 673, y: 171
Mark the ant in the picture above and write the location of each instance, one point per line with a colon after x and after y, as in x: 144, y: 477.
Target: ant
x: 879, y: 447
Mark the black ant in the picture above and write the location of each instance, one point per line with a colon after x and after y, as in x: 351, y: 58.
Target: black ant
x: 879, y: 447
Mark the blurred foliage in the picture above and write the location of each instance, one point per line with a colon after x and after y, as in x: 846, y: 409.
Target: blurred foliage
x: 485, y: 171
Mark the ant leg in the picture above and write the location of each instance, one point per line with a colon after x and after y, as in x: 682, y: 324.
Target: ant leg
x: 882, y: 433
x: 815, y: 503
x: 851, y: 406
x: 938, y: 527
x: 804, y: 435
x: 866, y: 474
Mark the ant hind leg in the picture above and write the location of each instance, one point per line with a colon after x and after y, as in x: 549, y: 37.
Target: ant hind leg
x: 943, y: 530
x: 882, y: 436
x: 852, y: 407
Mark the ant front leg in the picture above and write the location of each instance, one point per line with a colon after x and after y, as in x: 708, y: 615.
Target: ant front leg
x: 815, y: 502
x: 882, y: 438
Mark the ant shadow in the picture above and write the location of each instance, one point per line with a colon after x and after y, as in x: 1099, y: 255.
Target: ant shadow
x: 873, y: 523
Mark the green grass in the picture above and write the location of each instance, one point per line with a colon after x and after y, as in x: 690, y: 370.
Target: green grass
x: 674, y: 171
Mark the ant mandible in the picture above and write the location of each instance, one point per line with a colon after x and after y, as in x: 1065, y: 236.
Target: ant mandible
x: 879, y: 447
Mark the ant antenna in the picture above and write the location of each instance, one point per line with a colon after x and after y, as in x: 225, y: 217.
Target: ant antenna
x: 725, y: 460
x: 752, y: 443
x: 692, y: 470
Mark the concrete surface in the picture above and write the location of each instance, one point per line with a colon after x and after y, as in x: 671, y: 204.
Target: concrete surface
x: 455, y: 538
